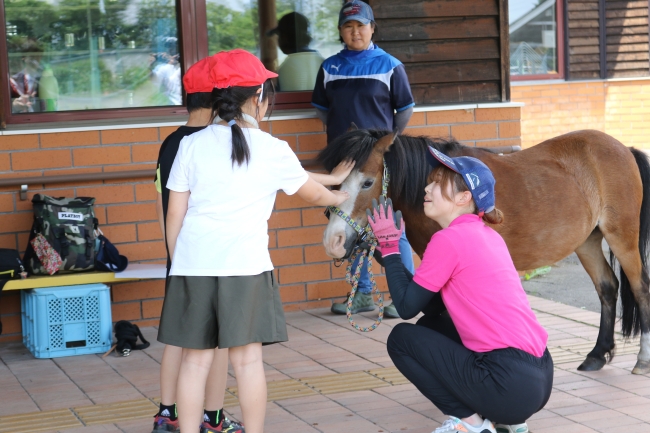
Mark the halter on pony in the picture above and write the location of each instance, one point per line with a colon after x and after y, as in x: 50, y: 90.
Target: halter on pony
x: 364, y: 234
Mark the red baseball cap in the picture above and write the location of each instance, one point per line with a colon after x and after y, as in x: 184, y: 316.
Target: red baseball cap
x: 197, y: 78
x: 238, y: 68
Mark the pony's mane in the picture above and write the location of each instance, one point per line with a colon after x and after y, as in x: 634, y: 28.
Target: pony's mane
x: 406, y: 159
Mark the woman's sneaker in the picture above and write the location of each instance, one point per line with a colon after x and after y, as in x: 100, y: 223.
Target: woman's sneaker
x: 514, y: 428
x: 226, y: 426
x: 455, y: 425
x: 361, y: 302
x: 391, y: 311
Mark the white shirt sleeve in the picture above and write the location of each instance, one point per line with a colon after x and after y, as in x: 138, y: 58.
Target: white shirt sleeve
x: 291, y: 175
x: 179, y: 179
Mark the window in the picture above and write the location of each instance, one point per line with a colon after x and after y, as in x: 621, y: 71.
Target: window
x: 70, y: 60
x: 536, y: 39
x: 68, y: 55
x: 291, y: 38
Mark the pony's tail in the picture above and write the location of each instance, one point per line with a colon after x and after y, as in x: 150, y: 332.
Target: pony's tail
x: 631, y: 319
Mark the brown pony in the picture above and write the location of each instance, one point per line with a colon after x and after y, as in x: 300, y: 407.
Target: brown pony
x: 561, y: 196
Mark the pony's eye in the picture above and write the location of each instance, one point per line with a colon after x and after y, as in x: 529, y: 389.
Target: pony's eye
x: 367, y: 184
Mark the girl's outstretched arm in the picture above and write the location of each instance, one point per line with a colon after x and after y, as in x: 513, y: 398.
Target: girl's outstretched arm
x: 336, y: 177
x: 317, y: 194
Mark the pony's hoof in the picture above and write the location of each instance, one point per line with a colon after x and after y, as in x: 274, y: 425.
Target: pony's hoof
x: 592, y: 364
x: 641, y: 367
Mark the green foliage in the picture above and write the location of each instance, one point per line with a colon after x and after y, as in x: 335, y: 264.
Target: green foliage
x: 134, y: 77
x: 78, y: 74
x: 229, y: 29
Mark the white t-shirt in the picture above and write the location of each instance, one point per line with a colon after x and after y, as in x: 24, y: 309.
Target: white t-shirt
x: 225, y: 230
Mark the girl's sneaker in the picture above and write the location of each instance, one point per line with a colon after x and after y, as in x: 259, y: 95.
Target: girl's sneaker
x: 164, y: 424
x: 455, y: 425
x: 514, y: 428
x: 226, y: 426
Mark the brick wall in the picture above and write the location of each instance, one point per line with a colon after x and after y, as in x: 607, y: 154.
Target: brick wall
x: 126, y: 208
x: 619, y: 108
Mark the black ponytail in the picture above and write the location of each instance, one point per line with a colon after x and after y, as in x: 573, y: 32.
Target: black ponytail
x: 228, y: 104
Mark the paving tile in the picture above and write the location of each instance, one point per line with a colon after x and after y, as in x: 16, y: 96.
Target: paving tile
x: 622, y: 403
x: 582, y: 408
x: 322, y: 344
x: 93, y: 429
x: 632, y: 428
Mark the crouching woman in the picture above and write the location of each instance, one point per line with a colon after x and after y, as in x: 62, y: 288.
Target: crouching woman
x: 478, y: 352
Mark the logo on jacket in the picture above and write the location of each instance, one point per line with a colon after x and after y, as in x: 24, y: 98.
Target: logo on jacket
x: 335, y: 67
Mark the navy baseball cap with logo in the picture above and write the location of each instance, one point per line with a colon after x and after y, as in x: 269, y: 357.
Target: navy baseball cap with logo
x: 475, y: 173
x: 356, y: 11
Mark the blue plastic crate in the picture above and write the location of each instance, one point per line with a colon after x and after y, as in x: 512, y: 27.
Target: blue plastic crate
x: 66, y: 321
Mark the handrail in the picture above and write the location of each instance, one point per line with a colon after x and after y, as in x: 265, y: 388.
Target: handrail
x: 24, y: 182
x: 63, y: 178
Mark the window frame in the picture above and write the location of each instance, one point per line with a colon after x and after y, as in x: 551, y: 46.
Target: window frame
x: 191, y: 16
x: 560, y: 48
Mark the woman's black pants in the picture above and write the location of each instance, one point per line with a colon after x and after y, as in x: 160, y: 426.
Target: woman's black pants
x: 506, y: 385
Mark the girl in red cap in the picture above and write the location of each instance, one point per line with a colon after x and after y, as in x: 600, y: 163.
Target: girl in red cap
x: 221, y: 290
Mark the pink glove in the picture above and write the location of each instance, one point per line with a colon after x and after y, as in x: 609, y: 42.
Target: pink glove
x: 387, y: 229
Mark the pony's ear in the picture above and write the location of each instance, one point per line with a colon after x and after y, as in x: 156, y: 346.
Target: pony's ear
x: 353, y: 127
x: 384, y: 143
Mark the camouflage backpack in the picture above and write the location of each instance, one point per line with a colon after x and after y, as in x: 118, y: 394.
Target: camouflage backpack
x: 69, y: 226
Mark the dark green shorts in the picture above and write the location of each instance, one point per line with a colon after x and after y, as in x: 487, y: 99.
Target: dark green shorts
x: 209, y: 312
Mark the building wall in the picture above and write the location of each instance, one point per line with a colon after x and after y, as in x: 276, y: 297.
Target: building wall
x: 619, y: 108
x: 453, y: 52
x: 126, y: 208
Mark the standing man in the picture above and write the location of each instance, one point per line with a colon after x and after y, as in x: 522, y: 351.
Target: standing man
x: 365, y: 85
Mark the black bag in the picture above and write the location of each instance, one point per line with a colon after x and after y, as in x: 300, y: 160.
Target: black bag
x: 11, y: 268
x: 108, y: 258
x: 127, y: 335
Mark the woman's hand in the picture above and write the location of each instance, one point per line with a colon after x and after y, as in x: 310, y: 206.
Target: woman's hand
x: 342, y: 171
x: 386, y: 227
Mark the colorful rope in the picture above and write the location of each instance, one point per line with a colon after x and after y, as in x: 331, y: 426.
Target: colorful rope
x: 354, y: 281
x: 364, y: 235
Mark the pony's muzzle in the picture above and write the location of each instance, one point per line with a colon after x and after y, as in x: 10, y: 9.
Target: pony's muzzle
x: 335, y: 245
x: 338, y: 245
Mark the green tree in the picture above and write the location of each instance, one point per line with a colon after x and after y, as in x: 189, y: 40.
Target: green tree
x: 229, y: 29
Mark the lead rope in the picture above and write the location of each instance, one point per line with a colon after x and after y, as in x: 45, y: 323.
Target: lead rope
x: 353, y: 279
